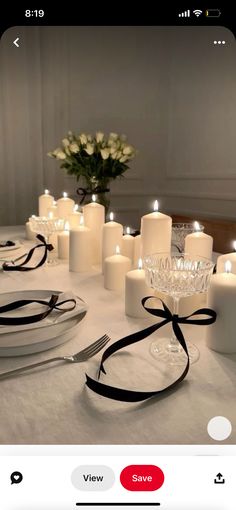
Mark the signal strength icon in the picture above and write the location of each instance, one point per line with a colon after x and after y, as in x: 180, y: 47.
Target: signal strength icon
x: 185, y: 14
x: 197, y: 12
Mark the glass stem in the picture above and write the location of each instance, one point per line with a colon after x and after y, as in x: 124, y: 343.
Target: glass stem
x: 174, y: 345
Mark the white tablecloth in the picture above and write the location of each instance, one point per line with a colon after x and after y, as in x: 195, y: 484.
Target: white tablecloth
x: 52, y: 405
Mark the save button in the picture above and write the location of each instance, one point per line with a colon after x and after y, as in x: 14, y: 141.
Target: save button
x: 142, y: 478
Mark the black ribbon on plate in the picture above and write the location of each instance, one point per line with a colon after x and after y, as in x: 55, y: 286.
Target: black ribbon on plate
x: 10, y: 266
x: 51, y: 305
x: 138, y: 396
x: 83, y: 192
x: 5, y: 244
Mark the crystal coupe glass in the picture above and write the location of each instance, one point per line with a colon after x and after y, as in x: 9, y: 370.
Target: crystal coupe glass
x: 47, y: 227
x: 177, y: 275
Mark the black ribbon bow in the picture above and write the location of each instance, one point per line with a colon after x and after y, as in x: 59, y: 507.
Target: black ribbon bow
x: 138, y: 396
x: 21, y: 267
x: 51, y: 305
x: 83, y: 192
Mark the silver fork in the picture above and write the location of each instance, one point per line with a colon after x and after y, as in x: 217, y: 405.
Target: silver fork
x: 79, y: 357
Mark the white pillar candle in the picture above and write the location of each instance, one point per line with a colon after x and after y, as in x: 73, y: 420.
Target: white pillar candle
x: 74, y: 217
x: 135, y: 290
x: 52, y: 210
x: 63, y: 242
x: 137, y: 250
x: 127, y: 245
x: 80, y: 255
x: 199, y: 243
x: 65, y: 206
x: 94, y: 218
x: 29, y: 233
x: 45, y: 201
x: 220, y: 336
x: 115, y: 269
x: 220, y: 266
x: 112, y: 233
x: 156, y: 232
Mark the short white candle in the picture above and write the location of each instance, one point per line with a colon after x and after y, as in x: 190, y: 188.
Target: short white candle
x: 45, y: 201
x: 94, y: 218
x: 65, y: 206
x: 112, y: 233
x: 127, y: 245
x: 63, y: 242
x: 199, y: 243
x: 221, y: 336
x: 74, y: 217
x: 52, y: 209
x: 135, y: 290
x: 80, y: 255
x: 156, y: 232
x: 137, y: 250
x: 220, y: 267
x: 29, y: 233
x: 115, y: 269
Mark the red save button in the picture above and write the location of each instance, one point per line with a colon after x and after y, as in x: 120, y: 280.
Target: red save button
x: 142, y: 478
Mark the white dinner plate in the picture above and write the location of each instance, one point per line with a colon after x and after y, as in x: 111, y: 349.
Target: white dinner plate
x: 33, y: 338
x: 16, y: 246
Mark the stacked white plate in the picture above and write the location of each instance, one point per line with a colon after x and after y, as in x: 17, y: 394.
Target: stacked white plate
x: 55, y: 329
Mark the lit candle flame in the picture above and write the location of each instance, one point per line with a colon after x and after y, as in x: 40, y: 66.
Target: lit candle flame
x: 94, y: 198
x: 228, y: 266
x: 196, y: 226
x: 50, y: 215
x: 65, y: 194
x: 156, y: 206
x: 117, y: 250
x: 111, y: 216
x: 46, y: 191
x: 81, y: 221
x: 128, y: 230
x: 33, y: 216
x: 140, y: 264
x: 54, y: 202
x: 76, y: 207
x: 234, y: 245
x: 67, y: 226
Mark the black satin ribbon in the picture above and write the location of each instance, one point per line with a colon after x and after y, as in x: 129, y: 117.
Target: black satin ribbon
x: 7, y: 266
x: 138, y: 396
x: 83, y: 192
x: 51, y: 305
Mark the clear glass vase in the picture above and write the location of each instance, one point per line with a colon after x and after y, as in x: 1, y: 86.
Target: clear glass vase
x: 99, y: 188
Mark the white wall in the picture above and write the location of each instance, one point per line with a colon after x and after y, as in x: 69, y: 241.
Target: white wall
x: 171, y: 90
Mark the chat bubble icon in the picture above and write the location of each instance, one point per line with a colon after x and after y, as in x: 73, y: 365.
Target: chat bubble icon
x: 16, y: 477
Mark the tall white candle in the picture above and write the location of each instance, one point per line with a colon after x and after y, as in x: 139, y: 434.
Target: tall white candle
x: 220, y: 266
x: 127, y: 245
x: 63, y: 242
x: 115, y: 269
x: 45, y: 201
x: 137, y: 250
x: 94, y: 218
x: 135, y: 290
x: 198, y: 243
x: 156, y: 232
x: 112, y: 233
x: 52, y: 210
x: 80, y: 255
x: 220, y: 336
x: 65, y: 206
x: 74, y: 217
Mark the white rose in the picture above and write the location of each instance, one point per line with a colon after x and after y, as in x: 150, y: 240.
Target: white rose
x: 113, y: 136
x: 123, y: 159
x: 113, y: 149
x: 114, y: 155
x: 74, y: 147
x: 89, y: 149
x: 60, y: 155
x: 65, y: 142
x: 83, y: 139
x: 128, y: 150
x: 99, y: 136
x: 105, y: 153
x: 118, y: 154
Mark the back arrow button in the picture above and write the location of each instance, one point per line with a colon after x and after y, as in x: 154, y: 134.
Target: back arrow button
x: 16, y: 42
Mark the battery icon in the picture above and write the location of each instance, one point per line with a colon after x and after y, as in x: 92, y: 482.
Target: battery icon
x: 213, y: 13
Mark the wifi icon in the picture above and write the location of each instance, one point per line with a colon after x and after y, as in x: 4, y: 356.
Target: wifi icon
x: 197, y: 12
